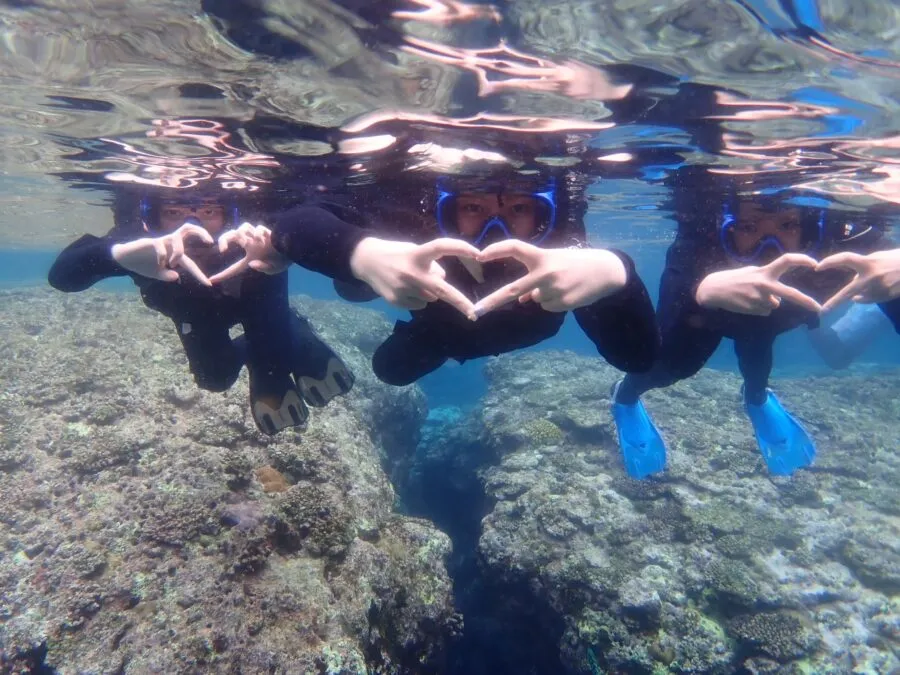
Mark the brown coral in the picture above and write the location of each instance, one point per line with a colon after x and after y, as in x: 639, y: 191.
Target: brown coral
x: 272, y: 480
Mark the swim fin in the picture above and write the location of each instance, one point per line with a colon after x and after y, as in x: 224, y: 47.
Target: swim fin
x: 320, y: 374
x: 319, y: 389
x: 642, y: 446
x: 784, y: 443
x: 274, y: 412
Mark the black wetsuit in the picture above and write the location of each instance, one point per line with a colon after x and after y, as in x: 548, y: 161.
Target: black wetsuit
x: 622, y: 326
x: 276, y: 341
x: 691, y: 333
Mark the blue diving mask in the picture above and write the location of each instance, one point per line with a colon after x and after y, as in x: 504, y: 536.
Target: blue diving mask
x: 755, y: 243
x: 486, y: 214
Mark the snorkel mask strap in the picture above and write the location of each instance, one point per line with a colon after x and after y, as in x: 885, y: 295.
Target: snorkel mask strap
x: 443, y: 197
x: 726, y: 221
x: 549, y: 197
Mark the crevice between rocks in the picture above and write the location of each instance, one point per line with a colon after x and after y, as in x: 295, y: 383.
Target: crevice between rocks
x: 506, y: 627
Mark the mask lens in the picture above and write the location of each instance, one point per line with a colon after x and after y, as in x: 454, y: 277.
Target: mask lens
x: 477, y: 217
x: 760, y: 241
x: 170, y: 214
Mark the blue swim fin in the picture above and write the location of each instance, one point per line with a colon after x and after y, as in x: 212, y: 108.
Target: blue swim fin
x: 784, y: 443
x: 642, y: 446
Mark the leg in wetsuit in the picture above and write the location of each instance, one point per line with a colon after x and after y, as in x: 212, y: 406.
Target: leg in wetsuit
x: 439, y: 333
x: 411, y: 351
x: 214, y: 358
x: 687, y: 344
x: 282, y: 345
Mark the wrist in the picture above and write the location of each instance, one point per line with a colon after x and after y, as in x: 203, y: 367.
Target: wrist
x: 358, y: 256
x: 617, y: 269
x: 701, y: 295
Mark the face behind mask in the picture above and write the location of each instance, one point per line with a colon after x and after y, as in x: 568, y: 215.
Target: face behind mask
x: 757, y: 236
x: 485, y: 217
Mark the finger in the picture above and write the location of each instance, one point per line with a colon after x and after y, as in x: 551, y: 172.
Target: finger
x: 231, y: 271
x: 187, y: 263
x: 452, y: 296
x: 189, y: 230
x: 416, y: 293
x: 530, y: 296
x: 439, y: 248
x: 437, y: 270
x: 528, y: 254
x: 257, y: 236
x: 550, y: 300
x: 265, y: 267
x: 787, y: 262
x: 167, y: 275
x: 554, y: 305
x: 176, y: 251
x: 265, y: 235
x: 410, y: 302
x: 791, y: 294
x: 853, y: 261
x: 508, y: 293
x: 160, y: 250
x: 849, y: 291
x: 168, y: 250
x: 229, y: 238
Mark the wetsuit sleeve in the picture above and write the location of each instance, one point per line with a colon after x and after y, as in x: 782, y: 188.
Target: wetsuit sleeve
x: 317, y: 239
x: 623, y: 325
x: 892, y: 311
x: 83, y: 263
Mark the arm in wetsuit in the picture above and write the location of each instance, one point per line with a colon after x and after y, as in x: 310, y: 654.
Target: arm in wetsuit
x: 315, y: 237
x: 85, y: 262
x: 318, y: 238
x: 892, y: 311
x: 623, y: 325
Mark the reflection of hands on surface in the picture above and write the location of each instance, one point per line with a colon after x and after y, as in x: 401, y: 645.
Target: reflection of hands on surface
x: 755, y: 290
x: 408, y: 275
x: 157, y: 257
x: 877, y: 276
x: 260, y: 255
x: 448, y: 11
x: 558, y: 279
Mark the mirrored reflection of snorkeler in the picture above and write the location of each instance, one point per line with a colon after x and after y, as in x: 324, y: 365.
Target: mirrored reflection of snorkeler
x: 288, y: 364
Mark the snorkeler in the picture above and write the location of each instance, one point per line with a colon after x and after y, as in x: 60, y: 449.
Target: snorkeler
x: 744, y: 268
x: 513, y: 260
x: 288, y: 364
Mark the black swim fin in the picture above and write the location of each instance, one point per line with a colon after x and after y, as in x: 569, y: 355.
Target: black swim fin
x: 335, y: 379
x: 277, y: 408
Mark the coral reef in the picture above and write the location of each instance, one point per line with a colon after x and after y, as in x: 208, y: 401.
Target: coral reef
x: 149, y: 527
x: 712, y: 567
